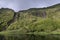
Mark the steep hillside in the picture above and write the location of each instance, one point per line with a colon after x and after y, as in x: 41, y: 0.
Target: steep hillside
x: 38, y: 19
x: 5, y: 16
x: 31, y: 20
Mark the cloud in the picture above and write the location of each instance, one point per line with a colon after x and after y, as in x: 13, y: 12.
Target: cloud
x: 25, y: 4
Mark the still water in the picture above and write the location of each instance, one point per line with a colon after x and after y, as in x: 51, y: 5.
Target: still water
x: 29, y: 37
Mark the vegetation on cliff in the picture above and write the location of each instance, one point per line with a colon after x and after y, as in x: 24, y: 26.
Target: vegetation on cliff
x: 31, y: 20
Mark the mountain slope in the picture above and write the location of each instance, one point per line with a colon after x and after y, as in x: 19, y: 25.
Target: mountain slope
x: 33, y: 19
x: 38, y: 19
x: 5, y: 16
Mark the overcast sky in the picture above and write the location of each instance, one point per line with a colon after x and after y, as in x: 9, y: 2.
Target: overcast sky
x: 26, y: 4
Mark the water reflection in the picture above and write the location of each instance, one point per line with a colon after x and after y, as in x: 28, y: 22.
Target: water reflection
x: 30, y: 37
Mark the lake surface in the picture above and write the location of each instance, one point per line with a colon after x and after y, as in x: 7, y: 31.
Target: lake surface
x: 29, y: 37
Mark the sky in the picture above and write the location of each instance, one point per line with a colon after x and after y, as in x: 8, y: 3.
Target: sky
x: 26, y: 4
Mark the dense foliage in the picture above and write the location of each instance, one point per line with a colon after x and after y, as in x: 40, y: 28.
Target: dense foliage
x: 5, y: 16
x: 31, y: 24
x: 37, y: 20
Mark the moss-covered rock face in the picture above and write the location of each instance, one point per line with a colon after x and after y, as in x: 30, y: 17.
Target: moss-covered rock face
x: 5, y: 16
x: 31, y: 20
x: 37, y: 20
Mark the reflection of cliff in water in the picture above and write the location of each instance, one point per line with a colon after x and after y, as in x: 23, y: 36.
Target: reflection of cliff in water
x: 30, y: 37
x: 2, y: 37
